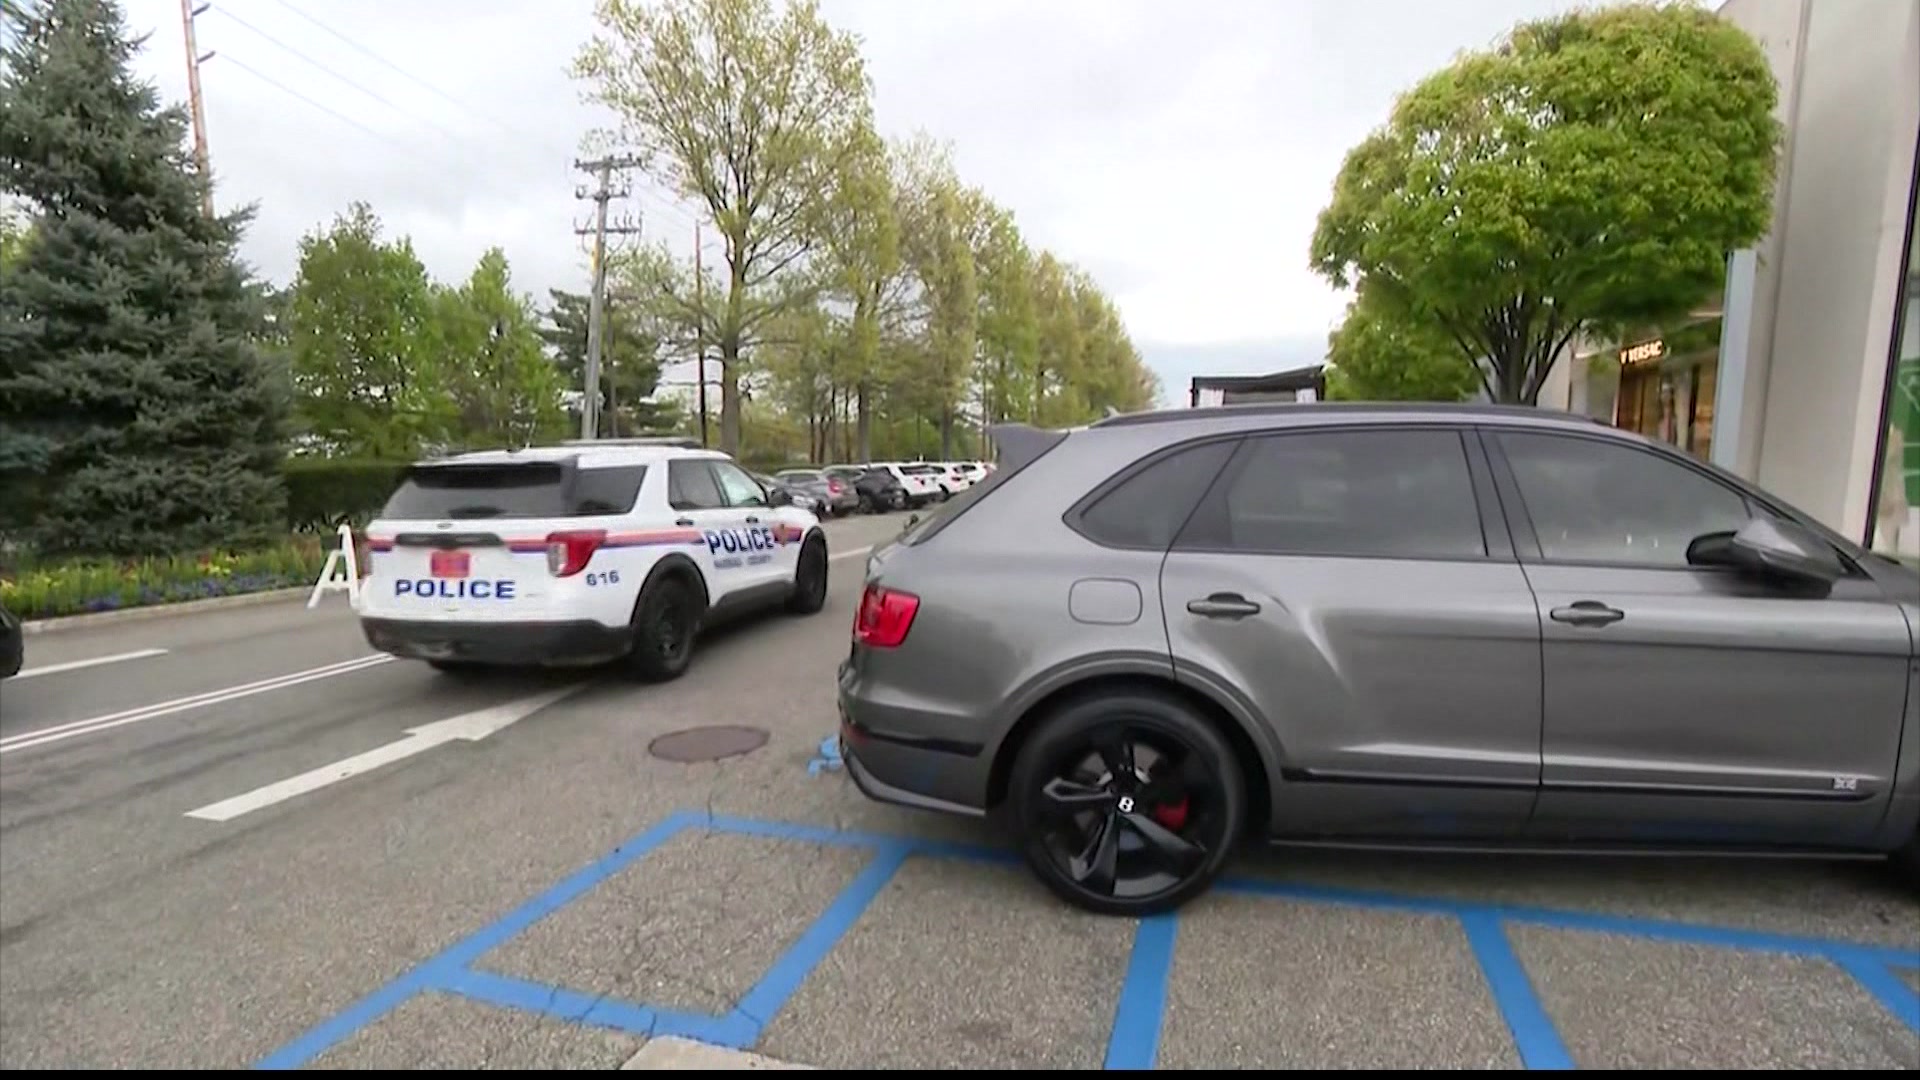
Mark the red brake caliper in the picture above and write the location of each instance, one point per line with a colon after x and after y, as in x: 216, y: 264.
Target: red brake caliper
x: 1173, y: 815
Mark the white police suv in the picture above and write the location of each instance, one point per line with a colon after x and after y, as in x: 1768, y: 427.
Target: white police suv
x: 582, y: 553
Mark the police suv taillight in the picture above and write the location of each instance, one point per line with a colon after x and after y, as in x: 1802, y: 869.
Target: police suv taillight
x: 884, y: 617
x: 569, y: 552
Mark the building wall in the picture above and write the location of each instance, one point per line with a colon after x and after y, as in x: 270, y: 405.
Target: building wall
x: 1815, y: 305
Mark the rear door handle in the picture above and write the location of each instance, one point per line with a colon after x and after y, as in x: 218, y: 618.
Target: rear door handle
x: 752, y: 520
x: 1588, y: 613
x: 685, y: 523
x: 1224, y: 605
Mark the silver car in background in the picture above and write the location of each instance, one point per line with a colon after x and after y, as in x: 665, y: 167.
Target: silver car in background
x: 1140, y: 642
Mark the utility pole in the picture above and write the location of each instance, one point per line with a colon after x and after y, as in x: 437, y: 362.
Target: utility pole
x: 194, y: 60
x: 602, y: 192
x: 700, y: 331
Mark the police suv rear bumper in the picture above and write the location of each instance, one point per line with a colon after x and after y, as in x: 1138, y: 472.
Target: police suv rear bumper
x: 580, y: 641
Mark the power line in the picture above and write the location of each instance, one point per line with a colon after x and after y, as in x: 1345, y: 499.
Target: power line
x: 403, y: 72
x: 381, y: 98
x: 670, y: 208
x: 342, y: 117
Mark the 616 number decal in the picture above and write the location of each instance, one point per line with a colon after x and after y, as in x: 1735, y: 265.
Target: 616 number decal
x: 608, y: 577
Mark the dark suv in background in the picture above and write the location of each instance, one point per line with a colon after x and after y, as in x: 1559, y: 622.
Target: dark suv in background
x: 1375, y: 625
x: 875, y: 490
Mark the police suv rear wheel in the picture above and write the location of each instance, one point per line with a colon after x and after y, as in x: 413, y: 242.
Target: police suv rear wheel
x: 664, y: 629
x: 810, y: 579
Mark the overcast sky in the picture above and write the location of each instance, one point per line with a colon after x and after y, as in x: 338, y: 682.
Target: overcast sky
x: 1178, y: 152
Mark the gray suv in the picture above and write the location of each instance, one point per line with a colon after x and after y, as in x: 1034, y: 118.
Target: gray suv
x: 1140, y: 642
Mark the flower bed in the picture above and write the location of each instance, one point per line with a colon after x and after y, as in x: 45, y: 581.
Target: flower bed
x: 53, y: 589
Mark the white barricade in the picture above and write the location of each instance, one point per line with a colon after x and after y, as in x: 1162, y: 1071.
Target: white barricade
x: 341, y: 558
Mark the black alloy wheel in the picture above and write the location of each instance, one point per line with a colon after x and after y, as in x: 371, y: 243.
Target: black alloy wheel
x: 1128, y: 804
x: 665, y: 629
x: 810, y: 578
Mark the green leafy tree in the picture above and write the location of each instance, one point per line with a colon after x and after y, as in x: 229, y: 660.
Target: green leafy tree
x: 861, y: 233
x: 499, y: 382
x: 939, y: 250
x: 1009, y: 325
x: 630, y: 349
x: 361, y: 343
x: 1381, y: 355
x: 1593, y: 169
x: 753, y: 111
x: 136, y: 414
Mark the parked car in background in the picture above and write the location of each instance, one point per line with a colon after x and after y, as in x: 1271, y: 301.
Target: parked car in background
x: 922, y: 481
x: 834, y: 495
x: 1391, y: 626
x: 13, y: 643
x: 875, y: 489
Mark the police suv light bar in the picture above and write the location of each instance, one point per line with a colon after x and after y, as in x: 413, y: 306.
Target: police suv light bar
x: 681, y: 441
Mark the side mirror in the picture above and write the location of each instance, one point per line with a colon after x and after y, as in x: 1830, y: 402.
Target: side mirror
x: 1770, y: 548
x: 779, y: 496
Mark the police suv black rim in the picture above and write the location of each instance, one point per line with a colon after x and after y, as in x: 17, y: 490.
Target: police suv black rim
x: 672, y: 623
x: 813, y: 570
x: 1129, y: 813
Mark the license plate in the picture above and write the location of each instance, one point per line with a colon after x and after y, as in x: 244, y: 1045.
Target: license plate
x: 449, y: 564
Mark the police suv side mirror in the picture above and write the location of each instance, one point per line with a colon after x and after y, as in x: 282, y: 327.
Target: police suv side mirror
x: 779, y: 496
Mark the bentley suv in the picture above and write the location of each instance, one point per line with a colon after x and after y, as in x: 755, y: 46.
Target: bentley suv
x: 1141, y: 642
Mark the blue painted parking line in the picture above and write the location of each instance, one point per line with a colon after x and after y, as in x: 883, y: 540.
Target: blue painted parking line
x: 1134, y: 1037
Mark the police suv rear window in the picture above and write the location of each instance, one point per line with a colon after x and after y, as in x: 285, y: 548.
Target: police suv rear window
x: 520, y: 490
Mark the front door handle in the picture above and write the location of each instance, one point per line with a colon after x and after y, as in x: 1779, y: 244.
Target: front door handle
x: 752, y: 519
x: 1224, y: 605
x: 1588, y: 613
x: 685, y: 523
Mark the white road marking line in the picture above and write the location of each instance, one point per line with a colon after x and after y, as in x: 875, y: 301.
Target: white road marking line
x: 471, y: 727
x: 76, y: 665
x: 60, y: 732
x: 854, y: 554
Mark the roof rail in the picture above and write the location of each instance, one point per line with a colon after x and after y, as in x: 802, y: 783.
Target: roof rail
x: 682, y: 441
x: 1309, y: 408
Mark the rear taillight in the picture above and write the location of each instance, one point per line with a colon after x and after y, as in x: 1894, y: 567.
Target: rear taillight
x: 884, y: 617
x: 569, y: 552
x: 833, y: 486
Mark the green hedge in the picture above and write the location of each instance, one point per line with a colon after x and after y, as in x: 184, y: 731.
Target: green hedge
x: 324, y: 492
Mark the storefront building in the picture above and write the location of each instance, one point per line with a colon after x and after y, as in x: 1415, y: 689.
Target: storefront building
x: 1805, y: 376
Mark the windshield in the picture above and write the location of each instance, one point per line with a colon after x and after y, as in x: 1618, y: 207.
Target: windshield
x: 519, y: 490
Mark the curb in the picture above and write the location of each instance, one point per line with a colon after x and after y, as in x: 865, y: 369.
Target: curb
x: 668, y: 1052
x: 160, y: 611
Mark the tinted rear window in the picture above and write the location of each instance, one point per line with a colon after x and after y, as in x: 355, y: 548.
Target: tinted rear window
x: 531, y: 490
x: 1146, y: 509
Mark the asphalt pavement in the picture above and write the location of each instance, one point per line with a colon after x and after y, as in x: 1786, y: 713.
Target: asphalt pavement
x: 241, y: 838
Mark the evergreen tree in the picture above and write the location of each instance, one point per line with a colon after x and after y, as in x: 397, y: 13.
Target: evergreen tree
x: 629, y: 363
x: 136, y: 412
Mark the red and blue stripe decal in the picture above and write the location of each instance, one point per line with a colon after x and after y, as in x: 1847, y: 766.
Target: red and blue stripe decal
x: 537, y: 545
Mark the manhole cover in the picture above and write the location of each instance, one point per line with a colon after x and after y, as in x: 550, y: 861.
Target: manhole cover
x: 708, y: 743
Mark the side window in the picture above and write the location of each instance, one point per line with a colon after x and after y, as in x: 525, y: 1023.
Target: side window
x: 1147, y: 509
x: 1383, y: 494
x: 1591, y: 501
x: 607, y: 491
x: 690, y: 486
x: 738, y: 488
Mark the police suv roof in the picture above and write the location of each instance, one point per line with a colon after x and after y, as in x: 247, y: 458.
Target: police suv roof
x: 588, y: 453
